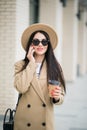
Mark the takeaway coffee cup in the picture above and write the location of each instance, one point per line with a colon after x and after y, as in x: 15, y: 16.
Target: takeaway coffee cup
x: 52, y: 85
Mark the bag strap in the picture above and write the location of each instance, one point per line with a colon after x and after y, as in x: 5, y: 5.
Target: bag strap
x: 19, y: 96
x: 11, y: 112
x: 8, y: 110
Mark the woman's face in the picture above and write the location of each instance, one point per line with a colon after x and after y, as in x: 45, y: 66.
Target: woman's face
x: 40, y: 49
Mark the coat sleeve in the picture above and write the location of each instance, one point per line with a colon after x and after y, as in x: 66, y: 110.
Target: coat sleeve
x: 23, y: 78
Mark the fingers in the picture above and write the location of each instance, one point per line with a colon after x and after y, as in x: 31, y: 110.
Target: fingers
x: 30, y: 54
x: 31, y: 50
x: 56, y: 93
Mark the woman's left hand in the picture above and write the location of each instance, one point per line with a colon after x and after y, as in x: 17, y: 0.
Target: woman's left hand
x: 56, y: 93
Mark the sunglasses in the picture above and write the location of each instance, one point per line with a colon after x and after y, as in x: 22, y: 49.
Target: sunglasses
x: 36, y: 42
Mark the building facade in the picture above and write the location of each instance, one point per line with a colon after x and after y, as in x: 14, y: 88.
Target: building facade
x: 16, y: 15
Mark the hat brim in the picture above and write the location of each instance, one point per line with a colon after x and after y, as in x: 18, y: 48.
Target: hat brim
x: 38, y: 26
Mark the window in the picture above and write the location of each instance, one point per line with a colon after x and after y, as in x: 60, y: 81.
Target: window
x: 34, y: 11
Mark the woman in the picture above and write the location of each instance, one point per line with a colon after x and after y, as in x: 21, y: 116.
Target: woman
x: 35, y: 108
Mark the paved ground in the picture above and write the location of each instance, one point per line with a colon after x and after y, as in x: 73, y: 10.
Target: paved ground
x: 72, y: 114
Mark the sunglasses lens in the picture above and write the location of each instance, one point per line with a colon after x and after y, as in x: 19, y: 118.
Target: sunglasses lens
x: 36, y: 42
x: 44, y: 42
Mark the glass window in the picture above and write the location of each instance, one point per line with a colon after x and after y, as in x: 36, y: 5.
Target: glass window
x: 34, y: 11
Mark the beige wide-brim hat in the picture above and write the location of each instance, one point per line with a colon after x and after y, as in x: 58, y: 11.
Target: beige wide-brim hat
x: 39, y: 26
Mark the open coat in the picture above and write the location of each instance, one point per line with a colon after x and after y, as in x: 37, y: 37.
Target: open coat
x: 35, y: 108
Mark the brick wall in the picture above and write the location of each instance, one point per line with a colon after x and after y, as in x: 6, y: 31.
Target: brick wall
x: 14, y: 17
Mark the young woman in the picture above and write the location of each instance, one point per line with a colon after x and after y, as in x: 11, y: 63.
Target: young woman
x: 35, y: 107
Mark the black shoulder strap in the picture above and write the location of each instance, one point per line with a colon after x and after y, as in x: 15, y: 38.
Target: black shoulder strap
x: 19, y: 96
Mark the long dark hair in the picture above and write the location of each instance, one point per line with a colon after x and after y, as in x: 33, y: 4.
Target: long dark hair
x: 54, y: 70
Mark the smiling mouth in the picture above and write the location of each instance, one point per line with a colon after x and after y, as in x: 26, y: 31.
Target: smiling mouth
x: 39, y: 49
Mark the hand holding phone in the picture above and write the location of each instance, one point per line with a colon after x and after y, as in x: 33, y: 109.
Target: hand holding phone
x: 30, y: 54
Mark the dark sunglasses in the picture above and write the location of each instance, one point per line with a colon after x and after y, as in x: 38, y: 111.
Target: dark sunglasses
x: 36, y: 42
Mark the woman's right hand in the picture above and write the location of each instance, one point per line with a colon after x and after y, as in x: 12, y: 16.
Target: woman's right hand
x: 30, y: 54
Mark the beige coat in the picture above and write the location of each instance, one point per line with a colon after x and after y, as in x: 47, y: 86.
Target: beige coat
x: 35, y: 108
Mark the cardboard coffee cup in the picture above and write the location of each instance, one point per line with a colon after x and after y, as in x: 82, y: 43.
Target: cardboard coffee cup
x: 52, y: 85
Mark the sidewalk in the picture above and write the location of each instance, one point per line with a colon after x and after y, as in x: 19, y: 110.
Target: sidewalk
x: 72, y: 114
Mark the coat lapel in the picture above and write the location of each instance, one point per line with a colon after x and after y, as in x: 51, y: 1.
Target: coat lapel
x: 36, y: 84
x: 37, y: 88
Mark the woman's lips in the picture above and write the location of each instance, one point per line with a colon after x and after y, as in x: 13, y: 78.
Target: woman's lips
x: 39, y: 49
